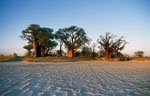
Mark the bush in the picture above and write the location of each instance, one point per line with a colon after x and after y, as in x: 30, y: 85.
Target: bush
x: 15, y: 54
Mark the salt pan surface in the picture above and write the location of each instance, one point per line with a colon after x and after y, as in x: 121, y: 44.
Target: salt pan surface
x: 94, y: 78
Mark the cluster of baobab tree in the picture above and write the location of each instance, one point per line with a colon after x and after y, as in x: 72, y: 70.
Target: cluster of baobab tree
x: 43, y: 39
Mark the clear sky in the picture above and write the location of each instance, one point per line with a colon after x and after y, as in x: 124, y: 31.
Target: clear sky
x: 129, y: 18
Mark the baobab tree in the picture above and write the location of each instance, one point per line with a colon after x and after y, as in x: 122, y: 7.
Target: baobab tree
x: 73, y: 37
x: 46, y: 39
x: 41, y: 38
x: 28, y: 48
x: 110, y: 44
x: 31, y: 34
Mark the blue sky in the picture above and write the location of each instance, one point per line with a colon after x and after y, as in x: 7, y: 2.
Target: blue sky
x: 129, y: 18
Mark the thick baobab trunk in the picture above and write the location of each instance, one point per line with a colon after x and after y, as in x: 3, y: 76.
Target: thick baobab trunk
x: 60, y: 51
x: 73, y: 53
x: 34, y: 49
x: 38, y: 50
x: 70, y: 53
x: 47, y: 52
x: 42, y: 51
x: 110, y: 55
x: 75, y: 50
x: 106, y: 55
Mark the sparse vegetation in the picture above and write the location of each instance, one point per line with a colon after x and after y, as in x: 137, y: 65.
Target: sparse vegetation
x: 139, y: 53
x: 140, y: 58
x: 55, y: 59
x: 8, y: 58
x: 46, y: 59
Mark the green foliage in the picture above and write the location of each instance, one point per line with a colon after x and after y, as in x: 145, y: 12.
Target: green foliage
x: 51, y: 45
x: 45, y: 36
x: 117, y: 55
x: 28, y: 48
x: 120, y: 56
x: 139, y: 54
x: 46, y: 39
x: 30, y: 33
x: 58, y: 52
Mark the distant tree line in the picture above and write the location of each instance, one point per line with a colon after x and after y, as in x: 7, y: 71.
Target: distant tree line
x: 42, y: 40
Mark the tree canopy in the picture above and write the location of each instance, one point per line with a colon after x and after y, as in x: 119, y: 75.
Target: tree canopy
x: 28, y: 48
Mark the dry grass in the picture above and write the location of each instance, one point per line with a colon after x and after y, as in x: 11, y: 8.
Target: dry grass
x: 8, y: 58
x: 46, y: 59
x: 140, y: 58
x: 54, y: 59
x: 65, y: 59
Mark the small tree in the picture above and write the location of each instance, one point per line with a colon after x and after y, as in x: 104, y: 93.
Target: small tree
x: 110, y: 44
x: 93, y: 50
x: 58, y: 53
x: 118, y: 55
x: 101, y: 53
x: 28, y: 48
x: 49, y: 47
x: 85, y: 49
x: 139, y: 54
x: 60, y: 38
x: 15, y: 54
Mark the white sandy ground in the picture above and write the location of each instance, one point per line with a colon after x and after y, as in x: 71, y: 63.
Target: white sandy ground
x: 86, y: 78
